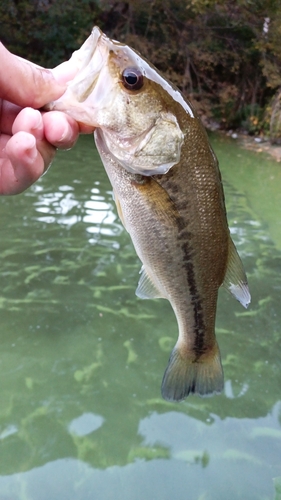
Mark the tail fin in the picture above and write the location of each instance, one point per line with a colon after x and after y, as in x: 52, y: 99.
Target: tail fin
x: 184, y: 376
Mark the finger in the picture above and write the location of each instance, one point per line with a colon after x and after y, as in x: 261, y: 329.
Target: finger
x: 8, y: 113
x: 60, y: 130
x: 23, y: 165
x: 66, y: 71
x: 37, y: 85
x: 4, y: 138
x: 86, y: 129
x: 29, y: 120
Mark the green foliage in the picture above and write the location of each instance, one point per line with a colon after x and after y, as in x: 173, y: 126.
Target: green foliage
x: 224, y: 54
x: 275, y: 119
x: 46, y: 31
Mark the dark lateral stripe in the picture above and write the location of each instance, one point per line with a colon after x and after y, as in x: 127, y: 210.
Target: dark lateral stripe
x: 199, y: 342
x: 171, y: 186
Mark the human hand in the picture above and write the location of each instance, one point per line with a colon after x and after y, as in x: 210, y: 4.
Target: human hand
x: 29, y: 138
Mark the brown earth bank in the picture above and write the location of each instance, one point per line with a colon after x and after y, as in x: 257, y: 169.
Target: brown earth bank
x: 257, y: 144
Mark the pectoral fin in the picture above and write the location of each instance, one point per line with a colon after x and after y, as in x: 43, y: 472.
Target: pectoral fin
x: 235, y: 280
x: 146, y: 288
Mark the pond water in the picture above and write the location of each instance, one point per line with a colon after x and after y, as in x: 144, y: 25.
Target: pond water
x: 82, y: 358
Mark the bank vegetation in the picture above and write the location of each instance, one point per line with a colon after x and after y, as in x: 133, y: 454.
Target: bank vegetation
x: 225, y: 55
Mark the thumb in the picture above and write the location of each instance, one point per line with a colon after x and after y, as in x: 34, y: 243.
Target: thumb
x: 25, y: 84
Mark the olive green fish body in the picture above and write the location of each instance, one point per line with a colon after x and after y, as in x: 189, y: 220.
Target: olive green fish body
x: 169, y: 196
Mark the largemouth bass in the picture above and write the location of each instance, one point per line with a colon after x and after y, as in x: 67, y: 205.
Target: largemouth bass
x: 169, y: 196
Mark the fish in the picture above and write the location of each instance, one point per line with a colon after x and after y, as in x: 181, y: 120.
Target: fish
x: 169, y: 196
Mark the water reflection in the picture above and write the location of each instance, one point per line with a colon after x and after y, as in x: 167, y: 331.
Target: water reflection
x: 96, y: 212
x: 85, y: 424
x: 82, y: 359
x: 210, y: 453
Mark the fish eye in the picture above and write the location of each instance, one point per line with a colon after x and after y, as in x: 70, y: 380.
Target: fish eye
x: 132, y: 78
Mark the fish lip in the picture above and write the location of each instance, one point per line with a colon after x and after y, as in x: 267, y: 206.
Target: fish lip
x: 85, y: 54
x: 87, y: 70
x: 88, y: 46
x: 82, y: 59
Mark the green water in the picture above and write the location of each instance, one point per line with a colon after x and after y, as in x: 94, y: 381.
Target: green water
x: 82, y: 358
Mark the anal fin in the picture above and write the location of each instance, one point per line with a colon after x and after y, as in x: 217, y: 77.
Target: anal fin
x: 146, y: 287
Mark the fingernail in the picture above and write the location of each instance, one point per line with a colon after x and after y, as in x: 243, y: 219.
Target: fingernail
x: 38, y: 123
x: 31, y: 151
x: 38, y: 129
x: 67, y: 134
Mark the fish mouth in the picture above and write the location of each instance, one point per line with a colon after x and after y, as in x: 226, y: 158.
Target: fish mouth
x: 89, y: 60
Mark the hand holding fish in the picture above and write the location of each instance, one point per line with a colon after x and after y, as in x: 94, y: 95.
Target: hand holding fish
x: 29, y: 138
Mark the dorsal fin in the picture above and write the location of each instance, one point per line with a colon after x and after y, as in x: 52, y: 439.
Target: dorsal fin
x: 235, y: 280
x: 146, y: 288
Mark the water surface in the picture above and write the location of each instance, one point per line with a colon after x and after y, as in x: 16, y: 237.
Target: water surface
x: 82, y: 358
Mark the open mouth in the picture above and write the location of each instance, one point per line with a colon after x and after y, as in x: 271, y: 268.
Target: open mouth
x: 89, y: 59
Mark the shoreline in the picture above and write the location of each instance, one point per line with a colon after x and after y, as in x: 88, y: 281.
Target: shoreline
x: 257, y: 144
